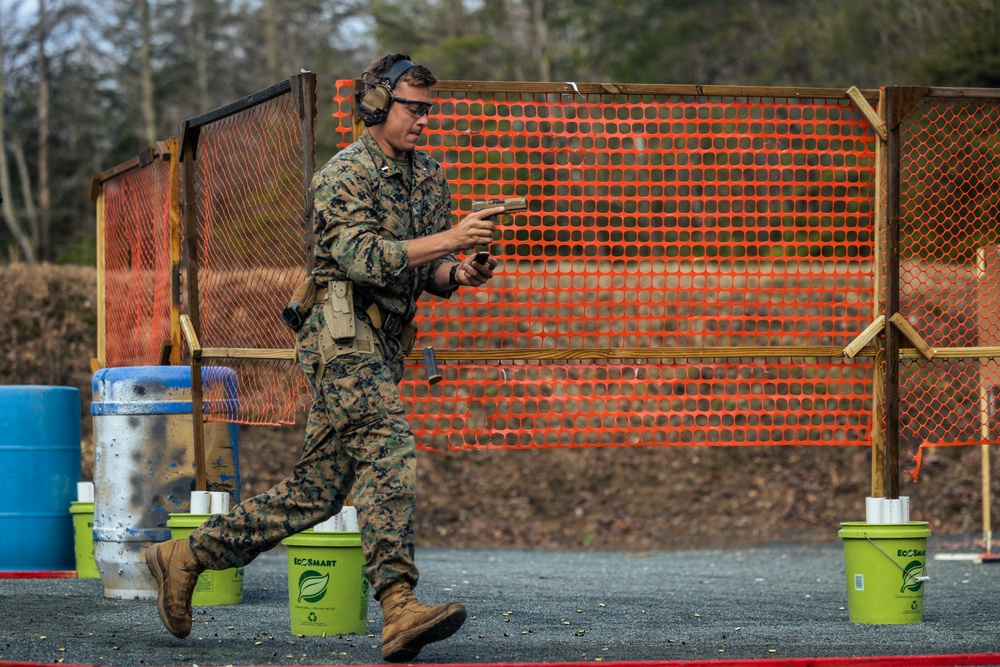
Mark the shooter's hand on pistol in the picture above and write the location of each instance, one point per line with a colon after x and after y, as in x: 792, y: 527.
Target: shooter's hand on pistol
x: 476, y: 228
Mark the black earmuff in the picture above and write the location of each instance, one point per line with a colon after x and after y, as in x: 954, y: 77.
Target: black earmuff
x: 374, y: 105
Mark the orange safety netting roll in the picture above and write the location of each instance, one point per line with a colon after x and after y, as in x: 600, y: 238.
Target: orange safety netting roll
x: 675, y: 225
x: 137, y: 264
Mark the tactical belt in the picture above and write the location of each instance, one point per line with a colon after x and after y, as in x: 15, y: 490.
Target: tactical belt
x: 346, y: 331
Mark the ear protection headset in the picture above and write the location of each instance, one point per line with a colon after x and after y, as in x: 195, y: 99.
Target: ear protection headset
x: 374, y: 106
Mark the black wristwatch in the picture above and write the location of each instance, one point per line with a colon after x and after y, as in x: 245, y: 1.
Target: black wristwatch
x: 452, y: 279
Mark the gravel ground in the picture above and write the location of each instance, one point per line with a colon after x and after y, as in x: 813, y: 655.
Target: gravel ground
x: 776, y: 601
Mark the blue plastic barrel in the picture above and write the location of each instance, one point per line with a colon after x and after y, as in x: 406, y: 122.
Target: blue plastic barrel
x: 39, y: 466
x: 144, y: 467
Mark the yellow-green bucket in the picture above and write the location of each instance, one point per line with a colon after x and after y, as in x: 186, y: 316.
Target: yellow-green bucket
x: 886, y: 566
x: 327, y: 591
x: 83, y: 540
x: 214, y: 587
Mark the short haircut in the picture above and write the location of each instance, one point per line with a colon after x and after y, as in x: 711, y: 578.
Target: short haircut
x: 415, y: 76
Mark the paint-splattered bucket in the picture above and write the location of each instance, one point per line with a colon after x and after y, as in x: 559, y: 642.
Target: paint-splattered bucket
x: 144, y: 464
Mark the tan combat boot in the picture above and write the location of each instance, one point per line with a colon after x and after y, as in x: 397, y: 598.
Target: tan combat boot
x: 408, y: 625
x: 176, y: 570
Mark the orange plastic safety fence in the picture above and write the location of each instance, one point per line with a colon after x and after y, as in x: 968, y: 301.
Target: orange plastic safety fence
x: 655, y: 222
x: 682, y: 402
x: 950, y: 268
x: 252, y: 242
x: 137, y: 264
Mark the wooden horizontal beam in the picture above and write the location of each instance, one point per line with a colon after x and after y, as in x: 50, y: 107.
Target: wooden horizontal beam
x: 578, y: 354
x: 584, y: 354
x: 247, y: 353
x: 982, y: 93
x: 572, y: 87
x: 790, y: 352
x: 965, y: 352
x: 555, y: 354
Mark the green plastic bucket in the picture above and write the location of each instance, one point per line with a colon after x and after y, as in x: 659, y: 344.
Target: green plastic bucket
x: 214, y: 587
x: 327, y: 592
x: 83, y: 540
x: 886, y: 566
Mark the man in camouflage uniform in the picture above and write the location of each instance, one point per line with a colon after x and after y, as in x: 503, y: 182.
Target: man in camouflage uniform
x: 383, y: 236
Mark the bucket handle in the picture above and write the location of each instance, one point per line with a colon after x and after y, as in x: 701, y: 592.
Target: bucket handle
x: 922, y: 579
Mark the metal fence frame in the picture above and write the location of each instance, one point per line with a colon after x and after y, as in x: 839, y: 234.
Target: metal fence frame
x: 302, y: 89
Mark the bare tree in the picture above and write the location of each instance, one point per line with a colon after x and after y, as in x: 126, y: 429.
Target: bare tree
x: 44, y: 185
x: 25, y: 244
x: 540, y: 45
x: 146, y: 74
x: 202, y: 53
x: 271, y: 39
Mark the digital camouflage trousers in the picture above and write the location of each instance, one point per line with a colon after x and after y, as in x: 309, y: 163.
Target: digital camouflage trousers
x: 357, y: 441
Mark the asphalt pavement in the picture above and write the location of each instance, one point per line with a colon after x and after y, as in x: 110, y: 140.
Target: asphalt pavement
x: 769, y: 602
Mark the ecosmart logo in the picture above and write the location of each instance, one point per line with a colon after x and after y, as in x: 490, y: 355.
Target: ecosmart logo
x: 312, y: 586
x: 903, y: 553
x: 313, y: 562
x: 911, y: 572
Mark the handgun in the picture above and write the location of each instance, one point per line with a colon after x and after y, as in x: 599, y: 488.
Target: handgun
x: 512, y: 205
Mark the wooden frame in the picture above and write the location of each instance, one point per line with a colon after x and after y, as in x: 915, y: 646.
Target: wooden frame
x: 164, y: 150
x: 303, y: 90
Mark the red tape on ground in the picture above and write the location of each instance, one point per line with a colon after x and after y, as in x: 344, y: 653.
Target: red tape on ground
x: 952, y: 660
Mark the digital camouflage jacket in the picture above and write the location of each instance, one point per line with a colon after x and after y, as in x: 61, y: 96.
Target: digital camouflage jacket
x: 365, y: 212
